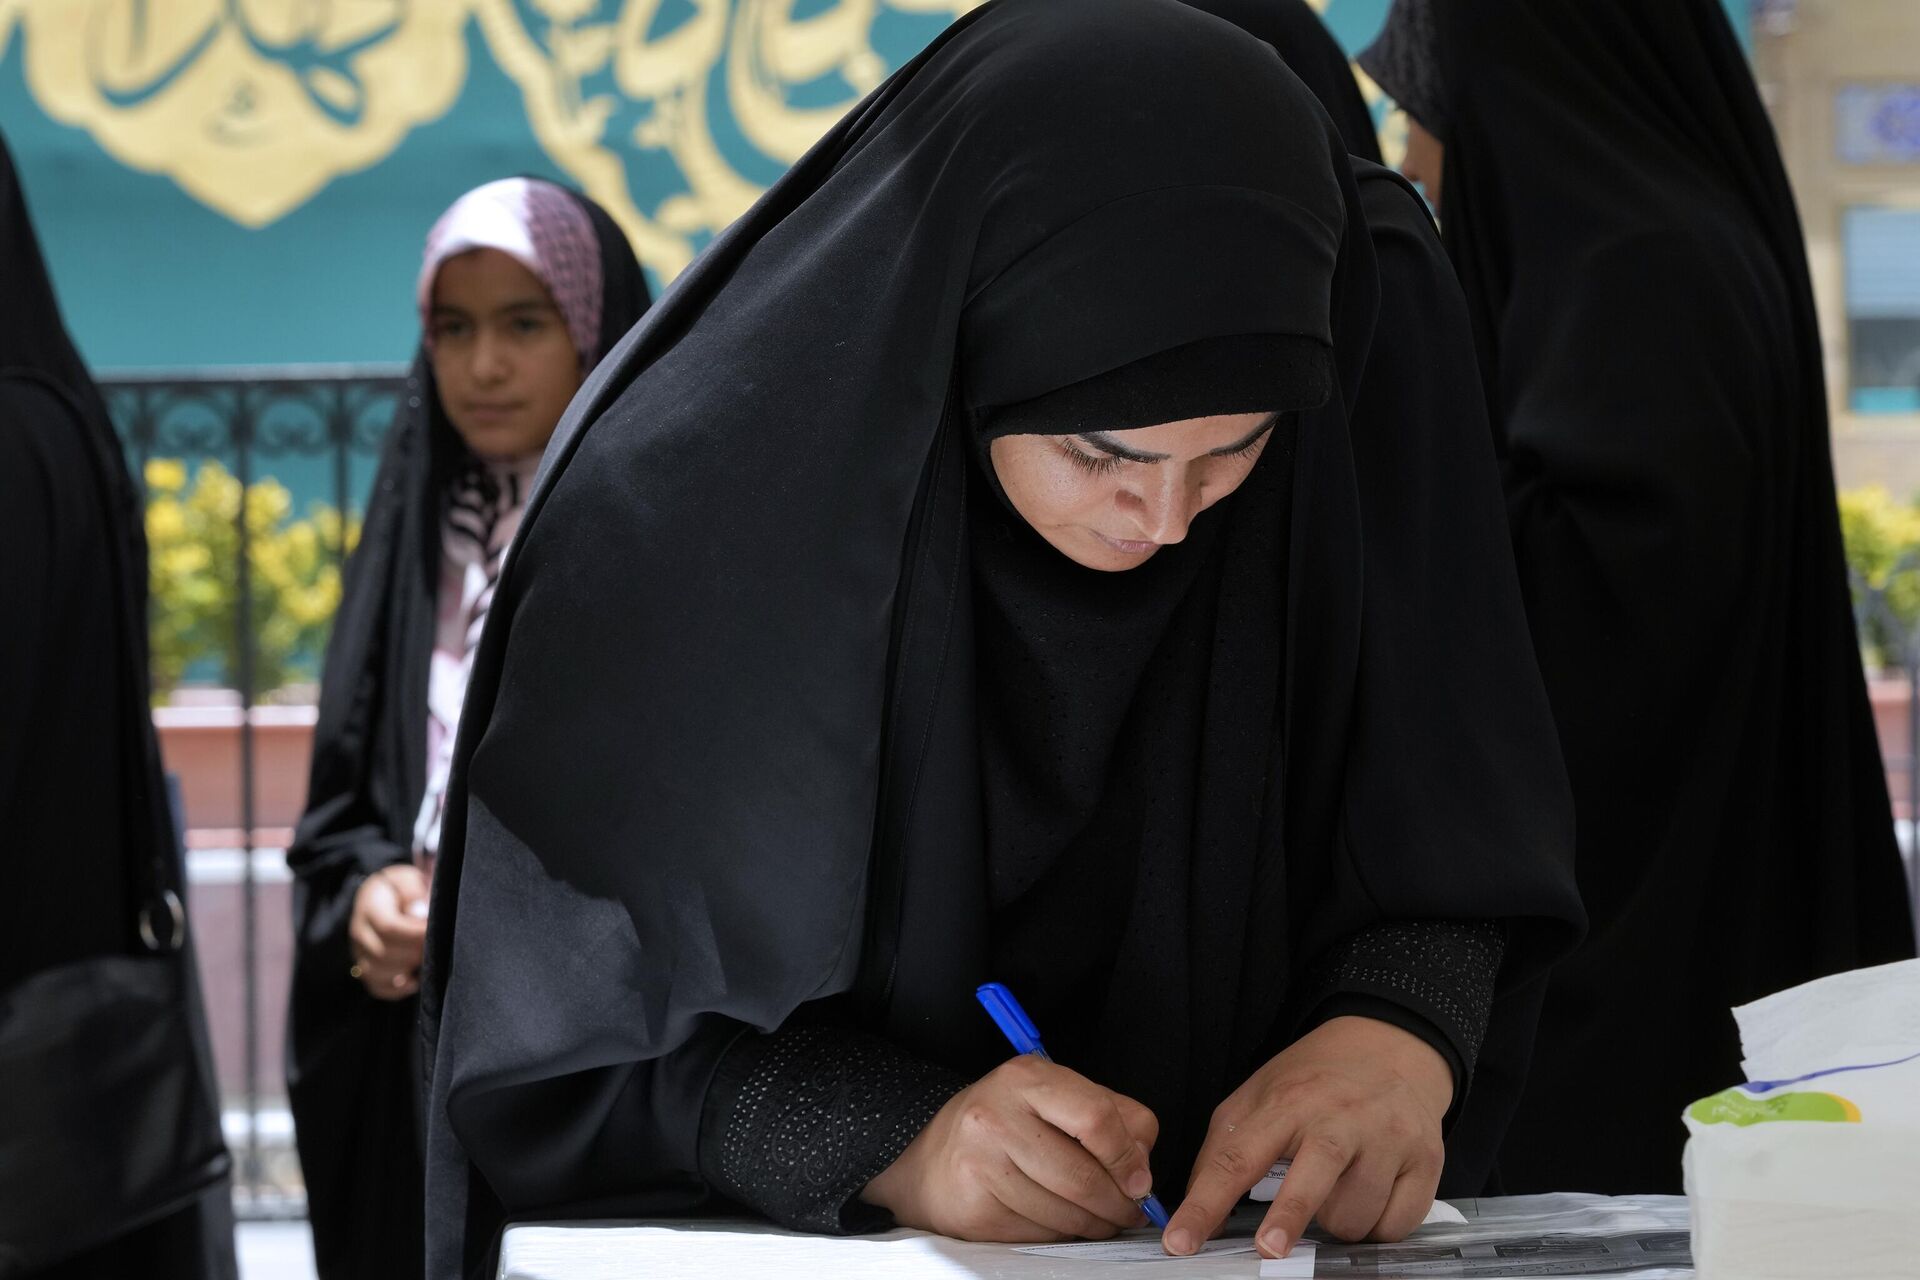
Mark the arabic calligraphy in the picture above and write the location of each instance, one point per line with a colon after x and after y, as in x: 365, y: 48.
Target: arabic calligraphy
x: 250, y: 105
x: 673, y: 114
x: 677, y: 114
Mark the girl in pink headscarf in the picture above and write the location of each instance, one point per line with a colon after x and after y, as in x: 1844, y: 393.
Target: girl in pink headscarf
x: 524, y: 286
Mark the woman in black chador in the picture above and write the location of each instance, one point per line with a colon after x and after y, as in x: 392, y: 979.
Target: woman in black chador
x: 1616, y: 206
x: 111, y: 1159
x: 1303, y: 42
x: 524, y: 285
x: 977, y: 569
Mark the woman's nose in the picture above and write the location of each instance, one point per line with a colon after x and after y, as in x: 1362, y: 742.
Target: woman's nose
x: 488, y: 360
x: 1169, y: 505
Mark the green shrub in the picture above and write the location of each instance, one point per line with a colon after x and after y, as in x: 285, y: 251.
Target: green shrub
x: 1883, y: 554
x: 193, y: 549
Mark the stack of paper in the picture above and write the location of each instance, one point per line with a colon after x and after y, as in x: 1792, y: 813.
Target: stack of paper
x: 1812, y: 1169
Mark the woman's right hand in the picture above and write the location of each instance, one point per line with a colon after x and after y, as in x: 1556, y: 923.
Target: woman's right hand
x: 388, y: 931
x: 1031, y: 1152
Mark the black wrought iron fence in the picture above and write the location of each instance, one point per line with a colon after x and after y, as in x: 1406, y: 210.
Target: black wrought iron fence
x: 255, y: 481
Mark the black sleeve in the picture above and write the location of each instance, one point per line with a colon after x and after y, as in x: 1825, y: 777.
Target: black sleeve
x: 329, y: 868
x: 344, y: 835
x: 1433, y: 978
x: 797, y: 1122
x: 792, y: 1125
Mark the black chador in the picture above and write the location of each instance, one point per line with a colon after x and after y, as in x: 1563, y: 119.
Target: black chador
x: 785, y: 732
x: 1616, y: 205
x: 353, y: 1065
x: 111, y: 1158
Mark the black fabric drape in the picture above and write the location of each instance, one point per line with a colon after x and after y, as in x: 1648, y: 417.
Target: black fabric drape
x: 353, y: 1070
x: 1310, y: 52
x: 719, y: 767
x: 1420, y: 393
x: 1126, y: 721
x: 73, y: 674
x: 1621, y: 221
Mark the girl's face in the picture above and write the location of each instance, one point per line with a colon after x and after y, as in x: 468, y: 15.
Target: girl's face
x: 504, y: 361
x: 1109, y: 499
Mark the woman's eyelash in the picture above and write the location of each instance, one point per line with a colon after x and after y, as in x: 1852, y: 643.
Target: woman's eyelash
x: 1104, y: 464
x: 1088, y: 462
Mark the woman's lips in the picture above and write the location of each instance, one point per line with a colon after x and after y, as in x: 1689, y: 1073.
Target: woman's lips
x: 1127, y: 546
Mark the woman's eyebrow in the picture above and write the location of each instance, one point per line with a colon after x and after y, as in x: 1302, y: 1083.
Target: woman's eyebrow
x: 1107, y: 444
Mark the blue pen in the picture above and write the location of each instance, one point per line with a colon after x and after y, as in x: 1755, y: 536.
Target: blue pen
x: 1025, y: 1038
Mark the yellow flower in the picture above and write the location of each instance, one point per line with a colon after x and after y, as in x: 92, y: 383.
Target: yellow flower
x: 166, y: 522
x: 167, y: 475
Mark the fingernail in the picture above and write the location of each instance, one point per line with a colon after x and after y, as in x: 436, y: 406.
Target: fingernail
x: 1179, y: 1240
x: 1139, y: 1182
x: 1275, y: 1243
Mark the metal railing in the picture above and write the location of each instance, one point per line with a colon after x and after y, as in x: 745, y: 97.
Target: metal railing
x: 1879, y: 619
x: 318, y: 430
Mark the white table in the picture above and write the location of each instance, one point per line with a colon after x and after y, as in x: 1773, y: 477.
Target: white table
x: 1565, y: 1237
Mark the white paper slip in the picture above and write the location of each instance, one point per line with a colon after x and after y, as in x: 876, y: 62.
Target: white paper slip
x: 1147, y: 1250
x: 1269, y: 1187
x: 1297, y: 1265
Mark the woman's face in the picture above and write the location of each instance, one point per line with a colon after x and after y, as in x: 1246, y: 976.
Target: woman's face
x: 504, y: 361
x: 1109, y: 499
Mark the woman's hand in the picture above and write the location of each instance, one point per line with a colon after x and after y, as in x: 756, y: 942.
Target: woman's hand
x: 1357, y: 1104
x: 1031, y: 1152
x: 388, y: 931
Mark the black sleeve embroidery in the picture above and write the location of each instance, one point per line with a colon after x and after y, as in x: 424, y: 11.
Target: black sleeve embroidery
x: 1441, y: 972
x: 798, y: 1122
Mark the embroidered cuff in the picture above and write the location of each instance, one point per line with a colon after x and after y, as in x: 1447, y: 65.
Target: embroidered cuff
x: 798, y: 1122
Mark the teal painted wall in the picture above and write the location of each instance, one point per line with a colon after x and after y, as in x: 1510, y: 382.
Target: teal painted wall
x: 151, y: 276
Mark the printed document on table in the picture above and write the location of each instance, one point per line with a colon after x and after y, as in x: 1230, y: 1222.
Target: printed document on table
x: 1141, y: 1249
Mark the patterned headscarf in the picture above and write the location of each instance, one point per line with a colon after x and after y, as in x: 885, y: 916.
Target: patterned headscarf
x: 1404, y: 59
x: 543, y: 229
x: 550, y: 233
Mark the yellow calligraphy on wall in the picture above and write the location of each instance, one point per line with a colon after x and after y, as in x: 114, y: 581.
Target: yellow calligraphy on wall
x: 656, y: 108
x: 252, y: 106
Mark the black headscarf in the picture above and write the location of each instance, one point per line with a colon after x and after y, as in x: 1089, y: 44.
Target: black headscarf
x: 352, y: 1069
x: 721, y: 734
x: 85, y: 824
x: 1404, y: 59
x: 1310, y: 52
x: 1633, y: 264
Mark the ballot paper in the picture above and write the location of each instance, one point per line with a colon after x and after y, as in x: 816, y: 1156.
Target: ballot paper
x: 1129, y: 1249
x: 1297, y: 1265
x: 1269, y: 1187
x: 1561, y: 1237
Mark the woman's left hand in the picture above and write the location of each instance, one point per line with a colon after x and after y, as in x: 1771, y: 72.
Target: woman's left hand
x: 1357, y: 1104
